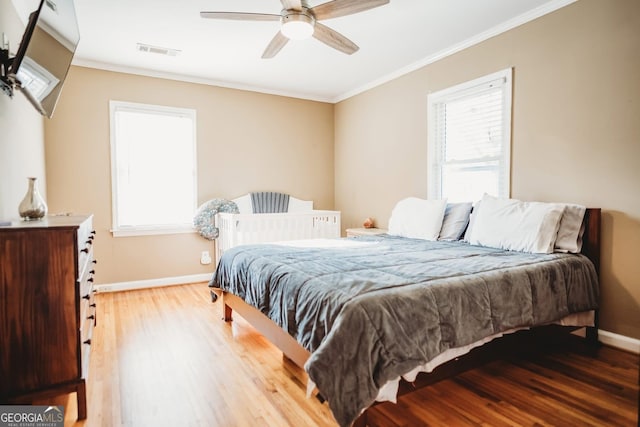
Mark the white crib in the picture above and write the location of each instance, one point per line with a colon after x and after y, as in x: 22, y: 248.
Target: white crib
x: 249, y: 228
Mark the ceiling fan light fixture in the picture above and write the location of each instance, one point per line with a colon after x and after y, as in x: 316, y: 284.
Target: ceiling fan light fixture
x: 297, y: 26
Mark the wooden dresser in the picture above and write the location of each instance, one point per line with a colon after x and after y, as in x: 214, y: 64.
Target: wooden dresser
x: 47, y: 309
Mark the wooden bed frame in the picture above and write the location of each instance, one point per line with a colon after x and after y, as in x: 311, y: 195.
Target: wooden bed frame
x: 493, y: 350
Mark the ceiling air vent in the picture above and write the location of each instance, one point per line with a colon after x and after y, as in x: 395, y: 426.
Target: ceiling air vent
x: 157, y: 49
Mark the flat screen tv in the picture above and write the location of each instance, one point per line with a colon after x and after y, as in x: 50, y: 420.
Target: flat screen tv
x: 44, y: 56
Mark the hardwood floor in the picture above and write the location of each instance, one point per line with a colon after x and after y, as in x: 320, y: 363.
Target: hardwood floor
x: 163, y: 357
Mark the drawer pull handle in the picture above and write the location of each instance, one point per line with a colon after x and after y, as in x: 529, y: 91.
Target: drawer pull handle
x: 90, y: 279
x: 92, y: 305
x: 88, y: 342
x: 95, y: 261
x: 92, y: 272
x: 91, y: 317
x: 89, y: 242
x: 86, y: 297
x: 93, y: 231
x: 85, y: 250
x: 92, y: 237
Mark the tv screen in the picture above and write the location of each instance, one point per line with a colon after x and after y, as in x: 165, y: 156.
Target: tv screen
x: 45, y: 53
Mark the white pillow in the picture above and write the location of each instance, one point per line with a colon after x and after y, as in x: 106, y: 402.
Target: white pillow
x: 456, y: 218
x: 571, y: 229
x: 515, y: 225
x: 417, y: 218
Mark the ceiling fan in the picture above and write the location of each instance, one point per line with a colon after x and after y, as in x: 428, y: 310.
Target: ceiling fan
x: 299, y: 21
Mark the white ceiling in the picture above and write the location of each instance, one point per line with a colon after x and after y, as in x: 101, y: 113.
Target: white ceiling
x: 394, y: 39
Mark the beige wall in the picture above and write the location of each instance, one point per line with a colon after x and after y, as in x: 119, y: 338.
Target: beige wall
x: 576, y: 132
x: 246, y: 142
x: 21, y: 133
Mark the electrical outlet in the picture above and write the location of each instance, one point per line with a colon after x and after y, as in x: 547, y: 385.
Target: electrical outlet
x: 205, y: 258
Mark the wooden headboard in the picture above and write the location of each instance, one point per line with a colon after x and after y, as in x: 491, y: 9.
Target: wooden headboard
x: 591, y: 236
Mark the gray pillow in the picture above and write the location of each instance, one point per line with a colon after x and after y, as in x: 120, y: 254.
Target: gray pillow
x: 456, y: 219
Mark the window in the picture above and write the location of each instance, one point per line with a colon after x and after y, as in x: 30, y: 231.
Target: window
x: 36, y: 79
x: 470, y: 138
x: 153, y: 169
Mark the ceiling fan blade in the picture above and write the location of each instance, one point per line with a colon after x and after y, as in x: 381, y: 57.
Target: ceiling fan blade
x: 291, y: 4
x: 275, y: 45
x: 240, y: 16
x: 334, y: 39
x: 337, y: 8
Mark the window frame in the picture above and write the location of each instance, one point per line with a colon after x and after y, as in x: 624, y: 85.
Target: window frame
x: 118, y: 230
x: 462, y: 90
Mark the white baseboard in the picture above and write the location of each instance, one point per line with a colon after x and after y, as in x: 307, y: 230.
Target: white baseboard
x: 619, y: 341
x: 153, y: 283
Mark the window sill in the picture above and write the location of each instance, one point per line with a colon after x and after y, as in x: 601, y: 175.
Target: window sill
x: 149, y: 231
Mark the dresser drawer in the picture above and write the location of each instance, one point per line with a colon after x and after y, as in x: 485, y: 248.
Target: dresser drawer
x: 87, y: 323
x: 85, y: 284
x: 87, y: 306
x: 86, y: 235
x: 86, y: 335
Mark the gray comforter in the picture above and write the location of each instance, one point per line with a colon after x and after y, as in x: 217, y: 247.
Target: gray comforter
x: 370, y: 314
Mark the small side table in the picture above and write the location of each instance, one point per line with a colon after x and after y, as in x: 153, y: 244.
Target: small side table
x: 356, y: 232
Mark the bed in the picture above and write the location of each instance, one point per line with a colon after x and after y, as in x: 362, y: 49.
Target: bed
x: 365, y: 317
x: 297, y: 221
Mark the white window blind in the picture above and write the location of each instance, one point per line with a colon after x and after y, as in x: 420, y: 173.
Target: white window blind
x: 470, y: 139
x: 153, y: 162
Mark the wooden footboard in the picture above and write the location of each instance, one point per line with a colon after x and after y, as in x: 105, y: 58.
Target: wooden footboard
x: 275, y: 334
